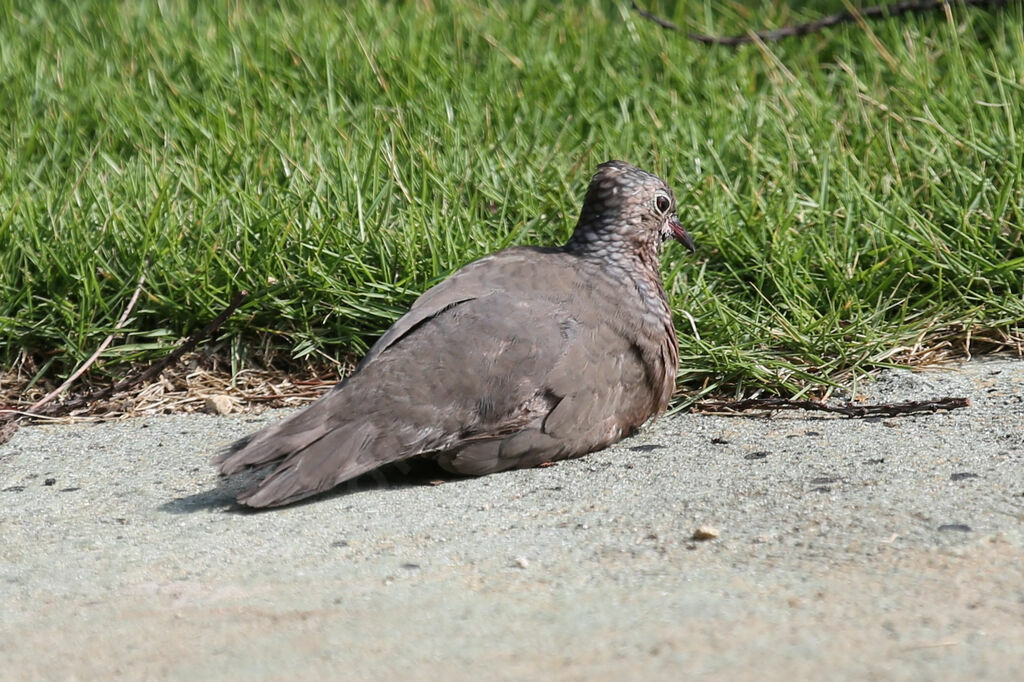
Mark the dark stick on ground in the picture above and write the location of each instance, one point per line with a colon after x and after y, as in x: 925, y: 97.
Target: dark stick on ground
x: 159, y: 366
x: 873, y: 12
x: 860, y: 411
x: 99, y: 350
x: 9, y: 422
x: 8, y: 427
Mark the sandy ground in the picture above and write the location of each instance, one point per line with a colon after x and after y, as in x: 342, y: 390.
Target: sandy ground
x: 847, y: 549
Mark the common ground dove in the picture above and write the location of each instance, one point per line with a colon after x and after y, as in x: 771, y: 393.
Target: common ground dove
x: 526, y: 356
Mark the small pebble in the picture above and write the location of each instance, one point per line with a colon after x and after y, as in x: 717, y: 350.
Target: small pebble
x: 522, y: 562
x: 218, y: 404
x: 705, y: 533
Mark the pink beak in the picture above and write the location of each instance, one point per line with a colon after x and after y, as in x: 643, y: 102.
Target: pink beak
x: 681, y: 235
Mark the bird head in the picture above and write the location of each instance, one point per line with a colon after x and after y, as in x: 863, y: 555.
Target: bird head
x: 628, y: 208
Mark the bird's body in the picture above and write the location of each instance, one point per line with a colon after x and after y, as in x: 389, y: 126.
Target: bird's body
x: 526, y: 356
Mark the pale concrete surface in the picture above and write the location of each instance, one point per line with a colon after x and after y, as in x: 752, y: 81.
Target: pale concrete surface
x: 848, y: 549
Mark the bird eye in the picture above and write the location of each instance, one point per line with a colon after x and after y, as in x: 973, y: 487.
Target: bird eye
x: 663, y: 203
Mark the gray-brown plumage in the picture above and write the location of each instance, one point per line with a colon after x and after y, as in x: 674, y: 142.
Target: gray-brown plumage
x: 526, y: 356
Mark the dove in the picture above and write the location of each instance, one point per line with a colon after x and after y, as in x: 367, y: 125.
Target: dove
x: 527, y: 356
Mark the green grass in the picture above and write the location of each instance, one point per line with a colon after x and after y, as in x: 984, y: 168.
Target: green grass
x: 855, y: 193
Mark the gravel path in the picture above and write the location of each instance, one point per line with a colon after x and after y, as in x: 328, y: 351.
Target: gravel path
x: 846, y: 549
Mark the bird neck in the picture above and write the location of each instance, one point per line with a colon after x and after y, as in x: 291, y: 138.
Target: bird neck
x: 626, y: 267
x: 615, y: 255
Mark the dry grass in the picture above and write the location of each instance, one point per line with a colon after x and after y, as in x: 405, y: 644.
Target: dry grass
x: 199, y: 383
x: 202, y: 382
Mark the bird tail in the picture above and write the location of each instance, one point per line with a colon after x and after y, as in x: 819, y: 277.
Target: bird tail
x: 310, y: 452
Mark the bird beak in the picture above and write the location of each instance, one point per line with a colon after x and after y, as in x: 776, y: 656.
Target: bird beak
x: 681, y: 235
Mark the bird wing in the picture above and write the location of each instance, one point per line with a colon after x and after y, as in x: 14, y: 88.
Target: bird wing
x: 467, y: 360
x: 606, y: 383
x: 475, y: 280
x: 514, y: 360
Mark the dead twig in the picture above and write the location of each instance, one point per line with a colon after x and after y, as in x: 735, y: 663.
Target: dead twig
x: 10, y: 420
x: 99, y: 351
x: 283, y: 396
x: 852, y: 16
x: 858, y: 411
x: 8, y: 427
x: 650, y: 16
x: 156, y: 368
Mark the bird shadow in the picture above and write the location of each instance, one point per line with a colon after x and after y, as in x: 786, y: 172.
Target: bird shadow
x: 409, y: 473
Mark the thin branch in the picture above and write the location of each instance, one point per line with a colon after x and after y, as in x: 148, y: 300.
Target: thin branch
x: 284, y: 396
x: 873, y: 12
x: 650, y: 16
x: 859, y: 411
x: 10, y: 420
x: 153, y: 370
x: 99, y: 351
x: 156, y: 368
x: 9, y: 425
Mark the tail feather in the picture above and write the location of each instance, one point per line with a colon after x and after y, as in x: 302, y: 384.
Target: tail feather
x: 264, y: 447
x: 309, y: 461
x: 319, y: 467
x: 277, y: 441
